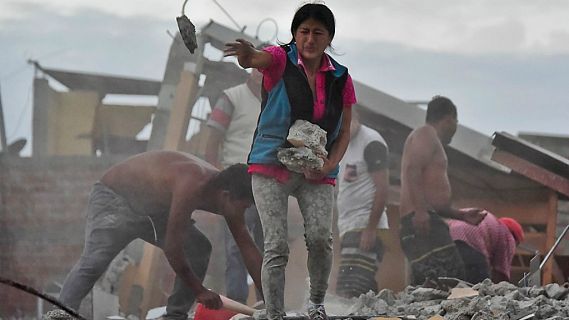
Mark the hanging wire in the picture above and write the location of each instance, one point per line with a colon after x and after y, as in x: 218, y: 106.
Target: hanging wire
x: 184, y: 6
x: 276, y: 29
x: 228, y: 15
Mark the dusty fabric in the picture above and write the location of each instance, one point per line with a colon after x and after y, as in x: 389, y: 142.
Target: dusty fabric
x: 432, y: 256
x: 315, y: 202
x: 357, y: 267
x: 111, y: 225
x: 490, y: 237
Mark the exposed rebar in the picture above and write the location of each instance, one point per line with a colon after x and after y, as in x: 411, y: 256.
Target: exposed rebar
x: 42, y: 295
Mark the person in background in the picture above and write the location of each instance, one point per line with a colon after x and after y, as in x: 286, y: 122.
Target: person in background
x: 300, y: 82
x: 362, y: 198
x: 152, y: 196
x: 487, y: 249
x: 231, y: 127
x: 426, y: 197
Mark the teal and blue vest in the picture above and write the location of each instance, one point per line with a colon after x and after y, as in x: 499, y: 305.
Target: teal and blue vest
x: 291, y: 99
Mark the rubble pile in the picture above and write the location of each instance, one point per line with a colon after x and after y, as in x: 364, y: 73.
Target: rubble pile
x: 494, y: 301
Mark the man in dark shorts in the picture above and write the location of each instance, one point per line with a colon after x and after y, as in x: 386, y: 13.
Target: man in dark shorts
x: 426, y: 197
x: 152, y: 196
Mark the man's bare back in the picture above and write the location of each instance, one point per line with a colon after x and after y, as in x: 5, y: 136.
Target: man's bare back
x: 147, y: 180
x: 176, y: 184
x: 424, y: 180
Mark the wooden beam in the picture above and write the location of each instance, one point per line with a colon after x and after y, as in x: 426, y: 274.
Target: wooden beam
x: 3, y: 143
x: 550, y: 232
x: 181, y: 111
x: 532, y: 171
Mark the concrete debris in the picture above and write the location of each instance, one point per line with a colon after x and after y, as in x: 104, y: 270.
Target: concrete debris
x: 555, y: 291
x: 387, y: 295
x: 298, y: 159
x: 494, y: 301
x: 309, y: 142
x: 57, y: 315
x: 306, y: 134
x: 110, y: 281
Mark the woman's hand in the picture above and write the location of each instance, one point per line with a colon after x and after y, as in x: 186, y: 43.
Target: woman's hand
x: 317, y: 174
x: 242, y: 49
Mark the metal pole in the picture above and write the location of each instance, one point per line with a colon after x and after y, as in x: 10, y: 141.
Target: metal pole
x: 3, y: 143
x: 554, y: 247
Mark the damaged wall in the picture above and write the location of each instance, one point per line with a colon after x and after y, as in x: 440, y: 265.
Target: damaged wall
x: 42, y: 218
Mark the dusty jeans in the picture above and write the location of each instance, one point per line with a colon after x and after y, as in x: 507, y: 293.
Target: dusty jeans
x: 315, y: 202
x: 236, y: 286
x: 111, y: 225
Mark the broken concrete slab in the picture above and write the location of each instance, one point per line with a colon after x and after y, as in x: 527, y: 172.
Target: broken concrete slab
x: 299, y: 159
x: 555, y: 291
x: 306, y: 134
x: 457, y: 293
x: 57, y: 315
x: 428, y: 294
x: 309, y: 141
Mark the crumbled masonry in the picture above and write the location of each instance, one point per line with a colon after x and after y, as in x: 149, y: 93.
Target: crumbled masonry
x: 298, y: 159
x: 495, y: 301
x: 309, y: 142
x: 502, y: 301
x: 57, y: 315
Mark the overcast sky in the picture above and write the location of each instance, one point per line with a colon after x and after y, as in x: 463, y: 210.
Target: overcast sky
x: 505, y: 63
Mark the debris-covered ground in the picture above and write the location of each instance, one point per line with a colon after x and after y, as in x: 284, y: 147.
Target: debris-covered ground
x: 494, y: 301
x: 502, y: 301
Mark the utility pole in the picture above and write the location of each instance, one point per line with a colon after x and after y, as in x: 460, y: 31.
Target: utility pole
x: 3, y: 143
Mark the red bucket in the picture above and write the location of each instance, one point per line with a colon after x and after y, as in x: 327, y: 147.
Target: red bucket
x: 203, y: 313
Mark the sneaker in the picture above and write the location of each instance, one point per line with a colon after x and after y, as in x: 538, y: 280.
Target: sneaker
x: 317, y: 312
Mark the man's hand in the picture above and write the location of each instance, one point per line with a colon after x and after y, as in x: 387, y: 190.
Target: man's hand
x: 209, y: 299
x: 367, y: 239
x: 473, y: 215
x: 422, y: 223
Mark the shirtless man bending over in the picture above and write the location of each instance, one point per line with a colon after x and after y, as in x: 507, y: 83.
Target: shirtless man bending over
x: 426, y: 197
x: 152, y: 196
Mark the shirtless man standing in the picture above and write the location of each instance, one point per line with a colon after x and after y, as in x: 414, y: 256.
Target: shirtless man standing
x: 152, y: 196
x: 426, y: 197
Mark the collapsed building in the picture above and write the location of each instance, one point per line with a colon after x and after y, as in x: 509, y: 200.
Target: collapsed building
x: 77, y: 136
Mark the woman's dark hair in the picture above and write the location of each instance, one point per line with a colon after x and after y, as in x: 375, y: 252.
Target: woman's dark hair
x: 236, y: 180
x: 316, y: 11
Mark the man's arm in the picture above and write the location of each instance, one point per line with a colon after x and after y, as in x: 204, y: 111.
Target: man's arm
x: 214, y: 141
x: 419, y: 154
x: 376, y: 156
x: 249, y: 251
x: 217, y: 124
x: 178, y: 221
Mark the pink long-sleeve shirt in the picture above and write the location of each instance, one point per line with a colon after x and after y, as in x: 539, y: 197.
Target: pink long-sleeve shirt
x: 272, y: 75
